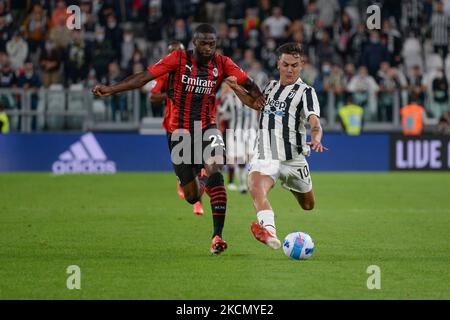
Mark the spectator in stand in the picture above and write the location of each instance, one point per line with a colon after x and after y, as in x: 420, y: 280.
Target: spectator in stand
x: 50, y: 64
x: 114, y: 34
x: 325, y: 51
x: 343, y: 34
x: 440, y: 24
x: 78, y: 59
x: 416, y: 84
x: 128, y: 45
x: 215, y: 11
x: 7, y: 76
x: 374, y: 53
x: 7, y: 80
x: 349, y: 72
x: 257, y: 73
x: 363, y: 86
x: 443, y: 127
x: 439, y: 86
x: 236, y: 43
x: 89, y: 26
x: 309, y: 21
x: 154, y: 31
x: 328, y: 13
x: 276, y: 26
x: 102, y: 53
x: 334, y: 82
x: 389, y: 87
x: 30, y: 80
x: 118, y: 102
x: 59, y: 12
x: 235, y: 13
x: 358, y: 41
x: 180, y: 31
x: 412, y: 52
x: 264, y: 9
x: 60, y: 34
x: 308, y: 73
x: 4, y: 12
x: 5, y: 33
x: 36, y: 28
x: 137, y: 57
x: 392, y: 39
x: 251, y: 22
x: 223, y: 41
x: 248, y: 59
x: 17, y: 49
x: 412, y: 15
x: 269, y: 57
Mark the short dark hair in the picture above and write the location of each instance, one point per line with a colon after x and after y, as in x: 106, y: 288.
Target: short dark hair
x: 293, y: 48
x: 205, y: 28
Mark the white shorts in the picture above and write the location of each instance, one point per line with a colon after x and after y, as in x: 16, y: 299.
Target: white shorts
x: 294, y: 174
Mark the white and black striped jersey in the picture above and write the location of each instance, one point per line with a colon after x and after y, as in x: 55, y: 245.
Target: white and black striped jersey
x: 237, y: 114
x: 282, y: 132
x: 440, y: 24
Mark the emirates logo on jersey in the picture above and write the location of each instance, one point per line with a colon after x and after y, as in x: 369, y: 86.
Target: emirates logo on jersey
x: 197, y: 85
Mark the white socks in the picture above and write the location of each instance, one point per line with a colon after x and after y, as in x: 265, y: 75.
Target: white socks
x: 267, y: 219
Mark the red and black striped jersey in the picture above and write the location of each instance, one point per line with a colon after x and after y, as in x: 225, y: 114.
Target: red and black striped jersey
x: 192, y: 87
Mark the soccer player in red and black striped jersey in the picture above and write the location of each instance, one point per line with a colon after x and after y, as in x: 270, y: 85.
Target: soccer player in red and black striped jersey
x: 159, y: 95
x: 194, y: 78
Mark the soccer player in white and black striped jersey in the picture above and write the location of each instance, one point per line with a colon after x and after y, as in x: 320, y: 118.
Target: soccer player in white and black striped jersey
x: 281, y: 144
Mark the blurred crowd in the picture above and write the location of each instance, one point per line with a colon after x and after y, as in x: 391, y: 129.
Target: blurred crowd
x: 406, y: 57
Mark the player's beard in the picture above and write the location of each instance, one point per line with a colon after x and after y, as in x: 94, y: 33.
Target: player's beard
x: 203, y: 59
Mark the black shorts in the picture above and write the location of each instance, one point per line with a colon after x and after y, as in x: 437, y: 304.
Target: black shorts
x: 189, y: 151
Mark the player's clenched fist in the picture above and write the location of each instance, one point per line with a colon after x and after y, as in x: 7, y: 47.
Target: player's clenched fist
x: 101, y: 90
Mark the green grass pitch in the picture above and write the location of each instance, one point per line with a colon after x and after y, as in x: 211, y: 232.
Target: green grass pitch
x: 134, y: 239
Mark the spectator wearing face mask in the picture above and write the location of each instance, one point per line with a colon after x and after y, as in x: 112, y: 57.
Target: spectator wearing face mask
x: 102, y: 53
x: 374, y: 53
x: 128, y: 45
x: 114, y: 34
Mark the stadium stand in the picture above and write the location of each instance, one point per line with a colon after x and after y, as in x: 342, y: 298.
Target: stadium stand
x: 406, y: 54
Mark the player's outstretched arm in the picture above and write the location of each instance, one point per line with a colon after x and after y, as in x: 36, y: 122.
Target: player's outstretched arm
x: 132, y: 82
x: 248, y: 93
x: 316, y: 134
